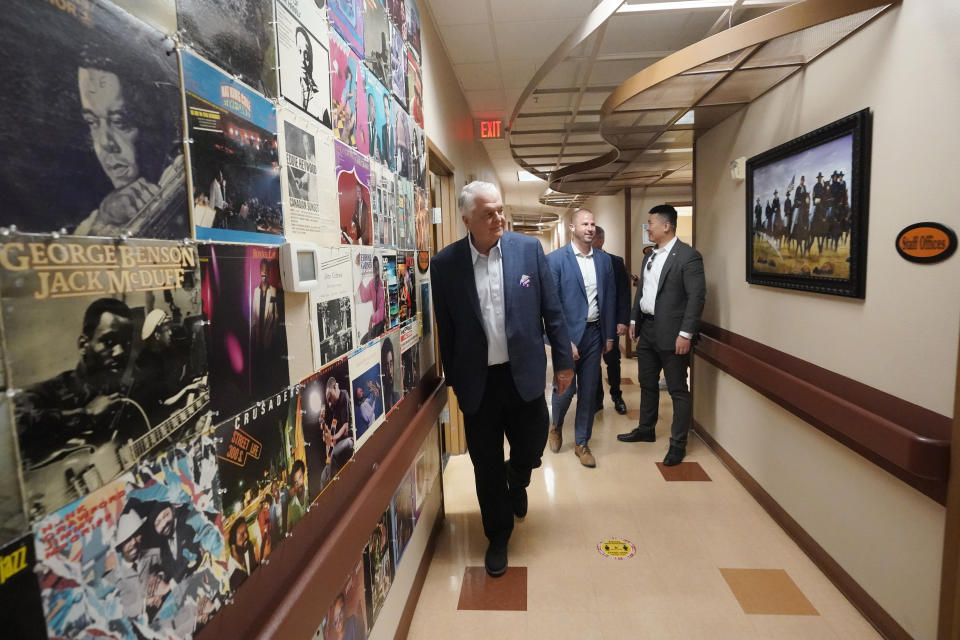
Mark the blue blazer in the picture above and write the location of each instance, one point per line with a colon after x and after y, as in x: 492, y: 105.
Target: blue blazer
x: 531, y: 308
x: 573, y: 293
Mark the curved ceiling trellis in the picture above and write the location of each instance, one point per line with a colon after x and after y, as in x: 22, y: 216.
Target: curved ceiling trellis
x: 648, y: 123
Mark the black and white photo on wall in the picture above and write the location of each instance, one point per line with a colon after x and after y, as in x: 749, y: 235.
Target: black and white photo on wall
x: 806, y: 223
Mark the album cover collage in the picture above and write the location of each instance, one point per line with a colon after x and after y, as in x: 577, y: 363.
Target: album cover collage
x: 169, y: 412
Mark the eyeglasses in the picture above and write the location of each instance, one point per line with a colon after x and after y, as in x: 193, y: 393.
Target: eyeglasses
x: 653, y: 256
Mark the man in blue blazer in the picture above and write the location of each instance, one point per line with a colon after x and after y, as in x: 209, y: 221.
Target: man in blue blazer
x: 493, y: 299
x: 585, y: 282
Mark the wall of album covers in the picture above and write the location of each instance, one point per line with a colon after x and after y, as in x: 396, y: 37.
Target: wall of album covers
x: 171, y: 413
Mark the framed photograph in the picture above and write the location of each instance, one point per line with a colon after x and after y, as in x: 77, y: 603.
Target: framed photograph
x: 807, y: 210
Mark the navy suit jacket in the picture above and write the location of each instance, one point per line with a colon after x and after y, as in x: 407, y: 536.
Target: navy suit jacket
x: 622, y: 282
x: 531, y: 307
x: 573, y: 293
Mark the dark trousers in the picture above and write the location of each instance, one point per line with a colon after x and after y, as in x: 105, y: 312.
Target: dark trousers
x: 586, y: 376
x: 650, y: 361
x: 612, y: 358
x: 525, y: 423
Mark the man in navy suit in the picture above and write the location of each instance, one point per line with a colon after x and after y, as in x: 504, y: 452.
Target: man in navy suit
x: 493, y: 299
x: 584, y: 278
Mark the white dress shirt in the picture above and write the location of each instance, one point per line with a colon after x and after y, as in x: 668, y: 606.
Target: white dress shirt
x: 588, y: 270
x: 651, y: 279
x: 488, y: 274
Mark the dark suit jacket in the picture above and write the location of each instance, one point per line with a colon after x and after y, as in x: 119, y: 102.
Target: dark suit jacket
x: 531, y: 307
x: 573, y: 293
x: 622, y: 282
x: 680, y: 295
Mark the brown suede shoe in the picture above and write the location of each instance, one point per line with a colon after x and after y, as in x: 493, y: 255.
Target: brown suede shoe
x: 586, y: 458
x: 554, y: 439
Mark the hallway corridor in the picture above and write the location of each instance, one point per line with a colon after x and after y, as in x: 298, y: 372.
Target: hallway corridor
x: 696, y: 540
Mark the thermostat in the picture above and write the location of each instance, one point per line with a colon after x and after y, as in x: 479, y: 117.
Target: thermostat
x: 299, y: 266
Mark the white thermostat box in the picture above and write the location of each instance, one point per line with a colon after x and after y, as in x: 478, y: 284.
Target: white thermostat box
x: 300, y: 266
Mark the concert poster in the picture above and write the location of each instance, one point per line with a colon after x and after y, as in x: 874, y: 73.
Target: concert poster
x: 422, y: 223
x: 376, y: 28
x: 378, y: 566
x: 237, y: 36
x: 331, y: 307
x: 92, y: 106
x: 233, y: 158
x: 303, y: 58
x: 398, y: 13
x: 398, y: 66
x: 402, y: 143
x: 406, y: 215
x: 383, y: 186
x: 13, y: 516
x: 418, y: 153
x: 369, y: 295
x: 410, y: 356
x: 261, y: 456
x: 413, y: 28
x: 406, y: 288
x: 348, y: 94
x: 246, y: 342
x: 427, y: 356
x: 121, y: 368
x: 346, y: 617
x: 346, y: 16
x: 403, y: 514
x: 414, y: 85
x: 381, y: 123
x: 310, y: 191
x: 141, y: 557
x: 366, y: 391
x: 353, y: 180
x: 420, y: 481
x: 388, y: 258
x: 326, y: 414
x: 160, y: 14
x: 21, y: 608
x: 391, y: 374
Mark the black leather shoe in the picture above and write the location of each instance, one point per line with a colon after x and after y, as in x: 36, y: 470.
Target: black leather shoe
x: 620, y: 406
x: 496, y: 560
x: 518, y: 500
x: 640, y: 434
x: 674, y: 456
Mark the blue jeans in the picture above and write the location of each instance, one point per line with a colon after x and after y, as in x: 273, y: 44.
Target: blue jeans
x: 586, y: 377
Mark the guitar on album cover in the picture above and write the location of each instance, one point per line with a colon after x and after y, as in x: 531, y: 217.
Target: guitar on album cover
x: 85, y: 463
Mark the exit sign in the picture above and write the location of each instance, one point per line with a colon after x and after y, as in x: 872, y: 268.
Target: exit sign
x: 488, y: 129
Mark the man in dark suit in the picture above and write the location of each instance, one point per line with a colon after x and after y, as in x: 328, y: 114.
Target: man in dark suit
x: 584, y: 278
x: 622, y: 309
x: 493, y: 299
x: 665, y: 318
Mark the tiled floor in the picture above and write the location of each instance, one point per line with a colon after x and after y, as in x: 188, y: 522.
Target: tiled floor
x: 694, y: 540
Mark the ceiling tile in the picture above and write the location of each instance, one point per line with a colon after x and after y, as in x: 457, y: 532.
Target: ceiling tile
x: 468, y: 43
x: 531, y: 40
x: 486, y: 100
x: 535, y: 10
x: 478, y: 76
x: 517, y: 73
x: 656, y: 31
x: 450, y: 12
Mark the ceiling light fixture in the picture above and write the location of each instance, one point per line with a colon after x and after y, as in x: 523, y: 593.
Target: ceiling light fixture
x: 526, y: 176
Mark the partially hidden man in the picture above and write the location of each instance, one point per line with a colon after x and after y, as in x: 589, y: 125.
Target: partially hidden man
x: 494, y: 297
x: 664, y: 321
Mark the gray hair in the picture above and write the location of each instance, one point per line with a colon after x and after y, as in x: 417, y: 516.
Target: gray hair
x: 467, y: 199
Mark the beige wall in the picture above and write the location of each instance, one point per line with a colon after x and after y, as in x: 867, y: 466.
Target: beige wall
x: 901, y: 339
x: 608, y: 211
x: 446, y: 114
